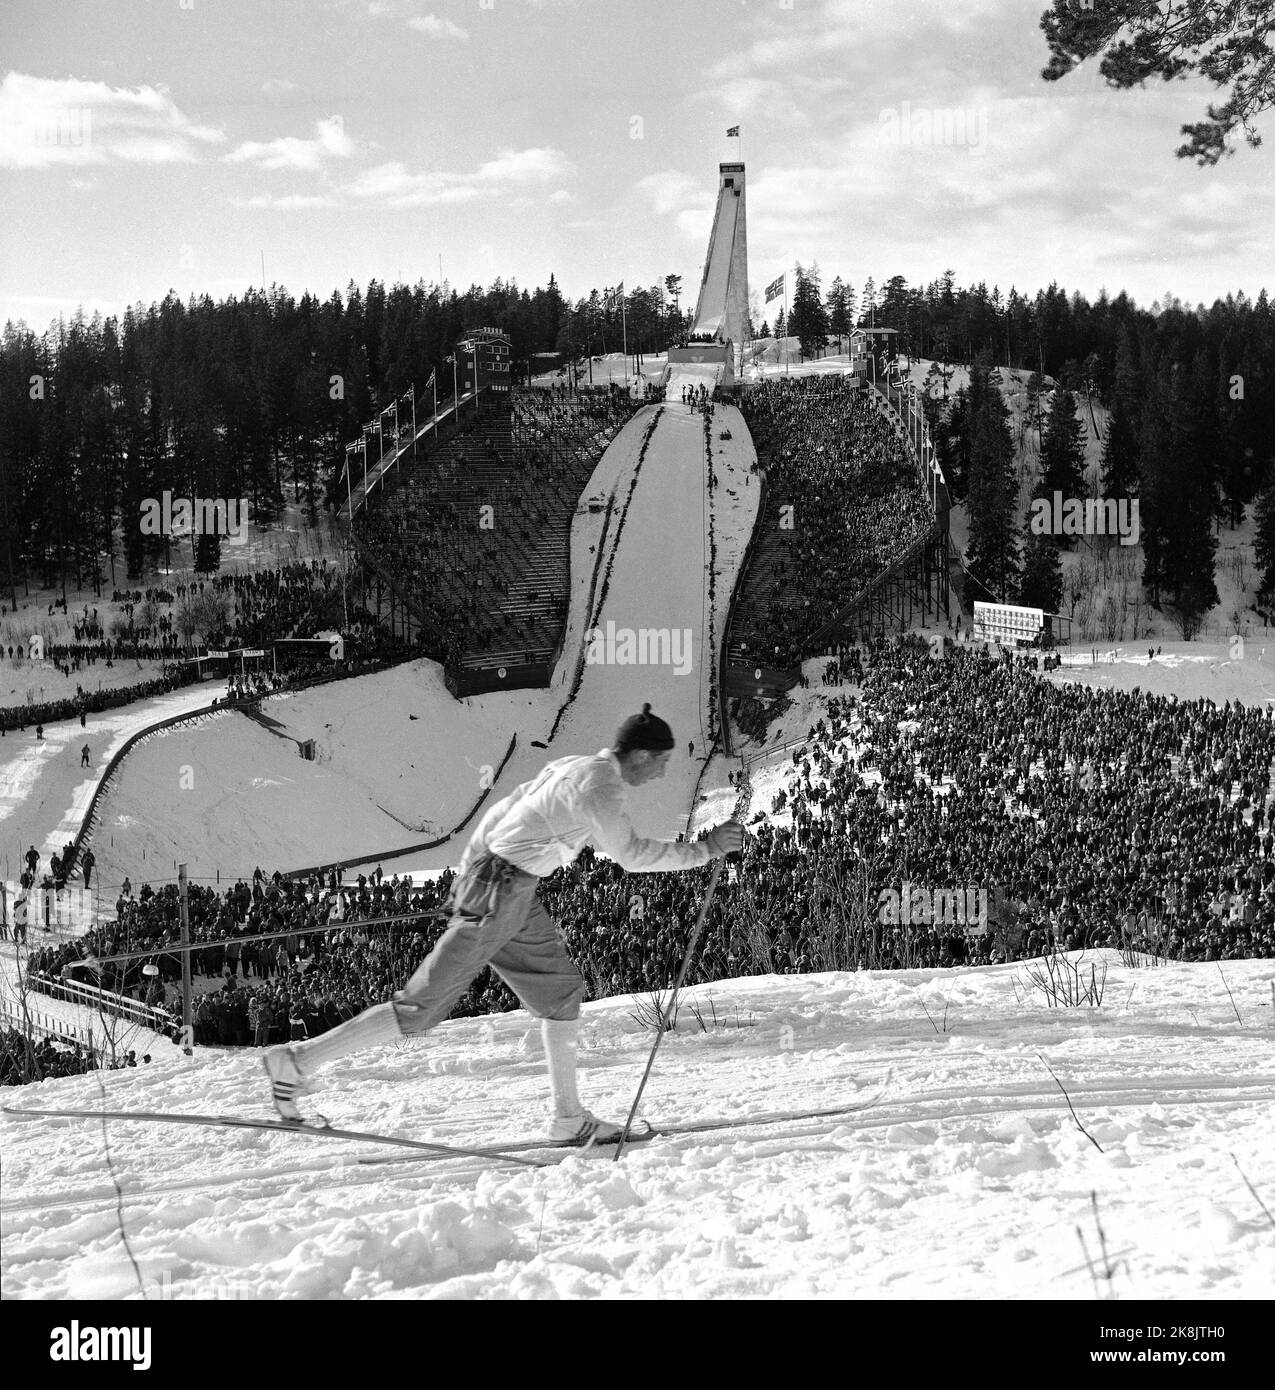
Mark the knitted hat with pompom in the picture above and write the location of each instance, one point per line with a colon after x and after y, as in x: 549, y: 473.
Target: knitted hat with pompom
x: 645, y: 730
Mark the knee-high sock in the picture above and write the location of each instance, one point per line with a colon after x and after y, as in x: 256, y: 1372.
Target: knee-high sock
x: 559, y: 1036
x: 374, y: 1027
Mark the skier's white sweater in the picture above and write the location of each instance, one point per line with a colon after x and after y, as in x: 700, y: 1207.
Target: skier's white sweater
x: 544, y: 823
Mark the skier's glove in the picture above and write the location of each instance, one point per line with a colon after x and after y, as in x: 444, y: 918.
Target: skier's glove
x: 727, y: 838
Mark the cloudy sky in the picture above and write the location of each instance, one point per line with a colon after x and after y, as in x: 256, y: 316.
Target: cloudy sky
x: 148, y: 145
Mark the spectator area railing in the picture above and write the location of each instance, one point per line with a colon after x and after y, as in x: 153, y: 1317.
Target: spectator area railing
x: 357, y: 495
x: 28, y: 1021
x: 101, y: 1001
x: 913, y: 430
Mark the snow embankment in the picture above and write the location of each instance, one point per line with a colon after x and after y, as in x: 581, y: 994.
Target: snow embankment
x: 969, y: 1176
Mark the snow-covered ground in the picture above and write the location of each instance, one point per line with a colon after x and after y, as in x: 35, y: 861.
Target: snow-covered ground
x: 399, y: 762
x: 967, y: 1179
x: 44, y: 789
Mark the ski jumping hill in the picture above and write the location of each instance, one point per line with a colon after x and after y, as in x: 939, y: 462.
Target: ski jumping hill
x: 400, y: 762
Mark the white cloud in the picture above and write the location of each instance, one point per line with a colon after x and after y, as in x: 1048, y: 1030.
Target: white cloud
x: 290, y: 152
x: 278, y: 86
x: 540, y: 164
x: 437, y: 28
x: 290, y: 202
x: 671, y: 190
x: 696, y: 225
x: 512, y: 174
x: 67, y: 122
x: 393, y: 185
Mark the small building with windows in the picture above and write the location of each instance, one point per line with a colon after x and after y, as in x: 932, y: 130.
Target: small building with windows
x: 872, y: 350
x: 486, y: 352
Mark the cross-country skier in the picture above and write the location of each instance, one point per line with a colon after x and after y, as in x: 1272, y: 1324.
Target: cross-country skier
x: 497, y: 920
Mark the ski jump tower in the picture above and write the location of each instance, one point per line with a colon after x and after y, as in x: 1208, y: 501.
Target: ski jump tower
x: 722, y: 310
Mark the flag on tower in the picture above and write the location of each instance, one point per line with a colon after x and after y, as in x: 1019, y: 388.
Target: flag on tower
x: 733, y: 131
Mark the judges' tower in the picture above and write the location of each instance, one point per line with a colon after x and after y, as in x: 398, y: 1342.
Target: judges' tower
x: 722, y: 310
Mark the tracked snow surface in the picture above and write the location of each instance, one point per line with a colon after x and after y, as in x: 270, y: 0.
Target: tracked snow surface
x: 967, y: 1178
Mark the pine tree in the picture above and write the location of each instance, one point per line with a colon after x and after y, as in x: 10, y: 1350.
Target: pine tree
x: 208, y: 552
x: 808, y: 321
x: 1062, y: 449
x: 1035, y: 389
x: 952, y: 443
x: 1193, y: 556
x: 1042, y: 581
x: 838, y: 311
x: 1155, y: 515
x: 1119, y: 453
x: 1178, y: 494
x: 1264, y: 540
x: 781, y: 325
x: 993, y: 490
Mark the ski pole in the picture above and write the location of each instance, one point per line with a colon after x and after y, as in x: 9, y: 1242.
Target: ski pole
x: 664, y: 1018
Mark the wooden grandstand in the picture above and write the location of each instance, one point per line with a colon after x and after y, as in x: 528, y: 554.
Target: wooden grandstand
x: 469, y: 538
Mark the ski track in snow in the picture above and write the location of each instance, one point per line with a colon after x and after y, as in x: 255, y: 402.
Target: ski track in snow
x: 967, y: 1177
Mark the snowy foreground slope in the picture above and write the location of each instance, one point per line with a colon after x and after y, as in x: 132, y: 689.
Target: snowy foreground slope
x: 968, y: 1178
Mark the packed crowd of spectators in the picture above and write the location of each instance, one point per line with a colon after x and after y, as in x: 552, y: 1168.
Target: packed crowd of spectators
x: 257, y: 607
x: 86, y: 702
x: 273, y: 603
x: 844, y: 499
x: 300, y: 977
x: 24, y: 1059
